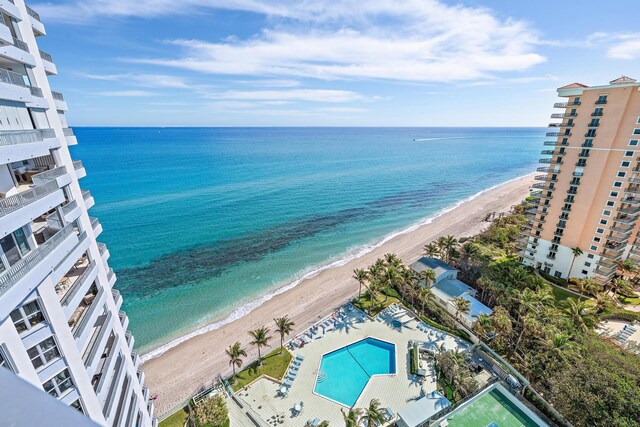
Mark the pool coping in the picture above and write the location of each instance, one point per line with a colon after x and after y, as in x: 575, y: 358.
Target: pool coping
x: 317, y: 371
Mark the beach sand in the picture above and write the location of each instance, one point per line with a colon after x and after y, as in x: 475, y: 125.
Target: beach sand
x: 181, y: 371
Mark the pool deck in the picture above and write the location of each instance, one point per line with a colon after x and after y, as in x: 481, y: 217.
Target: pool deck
x: 394, y: 391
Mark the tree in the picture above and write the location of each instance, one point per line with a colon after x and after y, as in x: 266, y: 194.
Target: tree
x: 429, y: 277
x: 374, y: 287
x: 591, y: 286
x: 431, y: 250
x: 426, y: 294
x: 619, y: 285
x: 351, y: 418
x: 447, y: 246
x: 373, y: 413
x: 483, y: 324
x: 576, y: 253
x: 627, y: 267
x: 324, y: 423
x: 462, y: 305
x: 260, y: 339
x: 211, y: 412
x: 236, y: 353
x: 361, y: 276
x: 284, y: 326
x: 580, y: 314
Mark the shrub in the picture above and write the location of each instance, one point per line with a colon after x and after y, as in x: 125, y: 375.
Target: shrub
x: 211, y: 412
x: 414, y: 360
x: 553, y: 279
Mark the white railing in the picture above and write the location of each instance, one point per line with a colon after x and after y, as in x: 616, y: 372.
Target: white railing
x: 77, y: 164
x: 36, y: 91
x: 67, y: 131
x: 66, y: 209
x: 78, y: 284
x: 15, y: 137
x: 20, y: 44
x: 86, y: 194
x: 102, y: 248
x: 46, y: 56
x: 10, y: 277
x: 94, y: 222
x: 57, y: 96
x: 13, y: 203
x: 33, y: 14
x: 49, y: 175
x: 10, y: 77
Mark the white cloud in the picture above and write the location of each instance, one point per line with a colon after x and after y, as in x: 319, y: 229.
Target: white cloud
x: 269, y: 96
x: 410, y: 40
x: 343, y: 110
x: 127, y: 93
x: 627, y: 49
x: 142, y: 80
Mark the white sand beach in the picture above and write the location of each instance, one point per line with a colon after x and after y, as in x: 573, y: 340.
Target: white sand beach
x: 182, y: 370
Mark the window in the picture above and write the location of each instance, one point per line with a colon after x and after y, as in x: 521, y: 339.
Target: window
x: 590, y: 256
x: 628, y: 153
x: 593, y: 248
x: 602, y: 99
x: 576, y: 100
x: 636, y: 131
x: 638, y: 121
x: 587, y: 264
x: 599, y: 231
x: 585, y: 272
x: 603, y: 221
x: 77, y: 405
x: 617, y: 184
x: 633, y: 142
x: 4, y: 361
x: 27, y: 316
x: 14, y: 246
x: 606, y: 213
x: 57, y: 385
x: 622, y: 174
x: 558, y: 274
x: 611, y: 203
x: 625, y: 164
x: 596, y: 239
x: 43, y: 353
x: 613, y: 194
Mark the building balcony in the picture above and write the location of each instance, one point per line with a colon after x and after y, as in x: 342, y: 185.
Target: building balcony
x: 117, y: 298
x: 70, y: 136
x: 583, y: 155
x: 58, y: 99
x: 545, y: 178
x: 36, y: 265
x: 601, y: 102
x: 632, y: 190
x: 79, y: 168
x: 36, y: 23
x: 596, y: 114
x: 88, y: 199
x: 545, y: 169
x: 630, y: 200
x: 611, y: 255
x: 561, y: 125
x: 17, y: 51
x: 552, y: 161
x: 605, y: 272
x: 557, y: 134
x: 565, y: 104
x: 629, y: 211
x: 130, y: 339
x: 593, y: 125
x: 14, y: 86
x: 587, y: 144
x: 551, y: 256
x: 17, y: 145
x: 535, y: 211
x: 104, y: 252
x: 557, y: 143
x: 542, y: 186
x: 625, y: 219
x: 99, y: 348
x: 590, y: 135
x: 578, y: 173
x: 73, y: 287
x: 111, y: 277
x: 84, y: 317
x: 622, y: 229
x: 10, y: 8
x: 96, y: 226
x: 124, y: 319
x: 533, y: 226
x: 541, y: 195
x: 563, y: 115
x: 37, y: 98
x: 49, y: 65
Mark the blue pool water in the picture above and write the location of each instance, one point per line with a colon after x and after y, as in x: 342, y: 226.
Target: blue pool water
x: 345, y: 372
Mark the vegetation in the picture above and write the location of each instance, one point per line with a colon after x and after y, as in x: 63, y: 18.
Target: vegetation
x: 414, y: 360
x: 235, y: 354
x: 177, y: 419
x: 261, y: 339
x: 273, y: 364
x: 284, y: 326
x: 371, y: 416
x: 453, y: 371
x: 211, y: 413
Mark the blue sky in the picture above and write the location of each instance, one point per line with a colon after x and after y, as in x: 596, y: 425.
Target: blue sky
x: 331, y: 62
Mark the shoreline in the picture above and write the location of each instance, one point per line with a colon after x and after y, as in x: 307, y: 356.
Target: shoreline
x: 203, y: 349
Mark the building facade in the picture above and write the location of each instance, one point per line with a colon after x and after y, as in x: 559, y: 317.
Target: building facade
x: 584, y: 209
x: 61, y: 327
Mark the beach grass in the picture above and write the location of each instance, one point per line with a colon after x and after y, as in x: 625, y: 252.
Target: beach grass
x: 380, y: 302
x: 274, y: 365
x: 177, y: 419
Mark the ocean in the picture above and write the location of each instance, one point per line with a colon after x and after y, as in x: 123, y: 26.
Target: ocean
x: 205, y: 223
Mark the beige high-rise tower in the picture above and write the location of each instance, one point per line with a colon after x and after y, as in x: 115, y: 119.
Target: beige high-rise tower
x: 584, y: 216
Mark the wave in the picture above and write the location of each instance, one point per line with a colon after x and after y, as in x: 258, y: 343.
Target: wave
x: 439, y: 139
x: 350, y: 255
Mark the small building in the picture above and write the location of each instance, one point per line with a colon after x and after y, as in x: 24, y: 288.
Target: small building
x: 447, y: 288
x: 418, y: 412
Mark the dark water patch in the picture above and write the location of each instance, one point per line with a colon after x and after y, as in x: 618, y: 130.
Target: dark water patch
x: 201, y: 263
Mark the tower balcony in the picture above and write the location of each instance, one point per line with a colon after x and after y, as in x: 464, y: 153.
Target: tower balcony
x: 545, y: 178
x: 566, y: 104
x: 551, y: 161
x: 79, y: 168
x: 630, y: 211
x: 88, y: 199
x: 632, y: 189
x: 625, y: 219
x: 563, y: 115
x: 70, y: 136
x: 624, y: 230
x: 545, y: 169
x: 611, y: 255
x: 561, y: 125
x: 58, y: 99
x: 36, y: 23
x: 14, y: 86
x: 17, y: 145
x: 541, y: 186
x: 17, y: 51
x: 541, y: 195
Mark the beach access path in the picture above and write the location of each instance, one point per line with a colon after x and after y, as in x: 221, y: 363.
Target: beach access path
x: 182, y: 370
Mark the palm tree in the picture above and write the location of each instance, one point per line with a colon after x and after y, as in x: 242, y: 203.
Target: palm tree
x: 627, y: 267
x: 483, y: 324
x: 426, y: 294
x: 324, y: 423
x: 578, y: 286
x: 284, y: 326
x: 581, y: 314
x: 374, y: 414
x: 260, y: 339
x: 576, y: 253
x: 619, y: 285
x: 361, y: 276
x: 447, y: 245
x: 374, y: 287
x: 591, y: 286
x: 429, y: 277
x: 431, y: 250
x: 351, y: 418
x: 462, y: 305
x: 559, y: 347
x: 235, y: 353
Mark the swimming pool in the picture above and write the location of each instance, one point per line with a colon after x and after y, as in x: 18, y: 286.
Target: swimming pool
x: 345, y: 372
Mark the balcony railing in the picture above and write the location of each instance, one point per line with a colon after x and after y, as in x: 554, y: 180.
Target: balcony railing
x: 20, y: 44
x: 79, y: 281
x: 77, y: 164
x: 86, y: 194
x: 554, y: 134
x: 598, y: 114
x: 544, y: 178
x: 66, y: 209
x: 13, y: 203
x: 94, y: 221
x: 49, y: 175
x: 551, y: 160
x: 601, y: 102
x: 67, y: 131
x: 36, y: 91
x: 563, y: 115
x: 544, y: 169
x: 26, y: 264
x: 15, y: 137
x: 593, y: 125
x: 102, y: 248
x: 46, y: 56
x: 10, y: 77
x: 33, y: 14
x: 565, y: 104
x: 57, y: 96
x: 578, y: 173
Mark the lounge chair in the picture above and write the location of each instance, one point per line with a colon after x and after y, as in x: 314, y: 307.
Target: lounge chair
x: 292, y: 374
x: 390, y: 414
x: 287, y: 383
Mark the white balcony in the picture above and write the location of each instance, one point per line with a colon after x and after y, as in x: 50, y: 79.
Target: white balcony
x: 117, y: 298
x: 18, y: 281
x: 88, y: 199
x: 70, y: 136
x: 111, y: 276
x: 73, y: 287
x: 18, y: 145
x: 49, y: 65
x: 14, y: 87
x: 124, y: 319
x: 79, y: 168
x: 24, y: 207
x: 99, y: 349
x: 5, y: 34
x: 108, y: 395
x: 97, y: 227
x: 71, y: 211
x: 58, y: 99
x: 37, y: 98
x: 9, y: 7
x: 36, y: 24
x: 130, y: 339
x: 17, y: 51
x: 88, y: 318
x: 104, y: 252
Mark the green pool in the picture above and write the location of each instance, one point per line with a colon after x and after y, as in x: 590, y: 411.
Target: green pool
x: 492, y: 409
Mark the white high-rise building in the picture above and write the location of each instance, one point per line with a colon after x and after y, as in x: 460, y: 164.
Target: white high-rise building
x: 61, y: 327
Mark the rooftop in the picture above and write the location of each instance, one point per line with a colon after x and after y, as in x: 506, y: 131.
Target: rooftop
x: 434, y: 264
x: 415, y: 413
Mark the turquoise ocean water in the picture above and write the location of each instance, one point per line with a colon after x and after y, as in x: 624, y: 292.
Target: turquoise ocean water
x: 203, y: 222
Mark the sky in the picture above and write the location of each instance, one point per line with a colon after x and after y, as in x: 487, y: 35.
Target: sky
x: 331, y: 62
